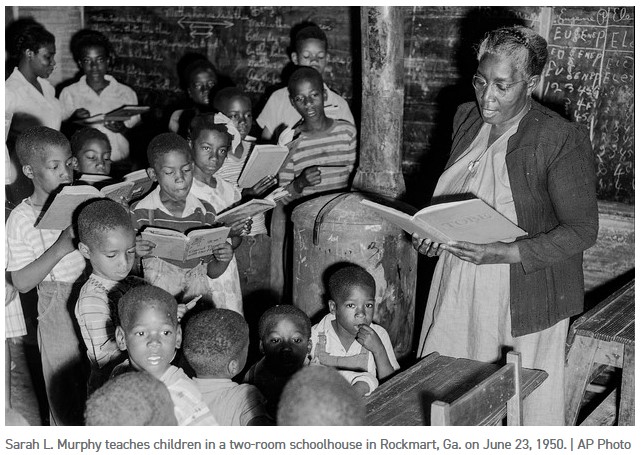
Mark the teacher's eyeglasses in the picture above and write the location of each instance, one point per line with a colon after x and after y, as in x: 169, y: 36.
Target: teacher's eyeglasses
x: 501, y: 88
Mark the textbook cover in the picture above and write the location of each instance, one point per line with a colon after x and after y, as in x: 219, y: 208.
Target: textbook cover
x: 265, y: 159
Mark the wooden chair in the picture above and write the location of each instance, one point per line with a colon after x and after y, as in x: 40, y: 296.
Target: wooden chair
x: 477, y: 406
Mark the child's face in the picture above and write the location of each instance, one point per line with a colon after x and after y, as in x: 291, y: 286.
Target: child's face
x: 209, y: 150
x: 151, y: 340
x: 94, y: 62
x: 174, y: 173
x: 52, y: 169
x: 311, y: 52
x: 200, y: 86
x: 43, y: 62
x: 308, y: 99
x: 113, y: 256
x: 94, y: 157
x: 354, y: 309
x: 239, y: 111
x: 285, y: 345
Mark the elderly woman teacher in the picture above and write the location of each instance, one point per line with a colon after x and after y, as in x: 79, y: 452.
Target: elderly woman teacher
x: 537, y: 170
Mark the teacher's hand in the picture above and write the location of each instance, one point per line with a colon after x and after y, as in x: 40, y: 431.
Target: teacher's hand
x: 426, y: 246
x: 490, y: 253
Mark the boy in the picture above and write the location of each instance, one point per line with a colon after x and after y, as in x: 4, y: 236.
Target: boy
x: 91, y: 149
x: 347, y: 339
x: 108, y: 241
x: 172, y: 206
x: 317, y: 396
x: 135, y: 398
x: 47, y: 259
x: 284, y: 332
x: 215, y: 345
x: 149, y: 331
x: 310, y: 49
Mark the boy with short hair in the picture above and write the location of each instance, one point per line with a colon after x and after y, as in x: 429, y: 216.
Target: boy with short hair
x: 149, y: 331
x: 347, y: 339
x: 172, y: 206
x: 47, y: 259
x: 107, y: 240
x: 284, y: 334
x: 215, y: 345
x: 92, y: 150
x: 310, y: 49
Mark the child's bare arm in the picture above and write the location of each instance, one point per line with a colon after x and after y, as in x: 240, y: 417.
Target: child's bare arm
x: 222, y: 254
x: 33, y: 274
x: 368, y: 338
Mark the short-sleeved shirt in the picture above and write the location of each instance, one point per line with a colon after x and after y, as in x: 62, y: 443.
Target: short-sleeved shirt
x: 26, y: 243
x: 189, y: 407
x: 231, y: 403
x: 22, y: 98
x: 81, y: 95
x: 279, y: 110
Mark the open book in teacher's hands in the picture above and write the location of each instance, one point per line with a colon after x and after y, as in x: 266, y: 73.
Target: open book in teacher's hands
x: 123, y: 113
x: 197, y: 243
x: 264, y: 160
x: 470, y: 220
x: 59, y: 214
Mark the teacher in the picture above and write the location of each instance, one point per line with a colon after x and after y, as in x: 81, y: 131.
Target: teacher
x: 536, y: 169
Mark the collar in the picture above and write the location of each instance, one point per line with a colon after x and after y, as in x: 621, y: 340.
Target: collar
x: 153, y: 201
x: 85, y: 86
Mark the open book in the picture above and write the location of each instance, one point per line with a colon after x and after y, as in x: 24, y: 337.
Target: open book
x: 123, y: 113
x: 175, y: 245
x: 142, y: 183
x: 264, y: 160
x: 60, y: 212
x: 471, y: 220
x: 244, y: 211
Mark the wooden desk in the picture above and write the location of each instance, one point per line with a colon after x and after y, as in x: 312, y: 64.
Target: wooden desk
x: 604, y: 335
x: 405, y: 399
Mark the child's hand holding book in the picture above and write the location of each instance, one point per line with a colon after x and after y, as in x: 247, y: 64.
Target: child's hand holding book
x: 310, y: 176
x: 261, y: 187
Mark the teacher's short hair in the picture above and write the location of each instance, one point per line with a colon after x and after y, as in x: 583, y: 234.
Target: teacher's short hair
x: 509, y: 41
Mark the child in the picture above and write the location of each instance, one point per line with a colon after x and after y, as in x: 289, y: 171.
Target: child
x: 107, y: 240
x: 210, y: 139
x: 149, y: 331
x: 318, y: 396
x: 310, y: 49
x: 172, y: 206
x: 92, y: 150
x: 255, y: 249
x: 48, y: 259
x: 284, y: 332
x: 97, y: 92
x: 133, y: 399
x: 215, y: 345
x: 347, y: 339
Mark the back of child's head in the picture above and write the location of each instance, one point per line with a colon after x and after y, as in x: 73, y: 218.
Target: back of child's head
x: 225, y: 96
x: 207, y: 122
x: 84, y: 135
x: 319, y: 395
x: 306, y: 31
x: 346, y: 277
x: 34, y: 143
x: 277, y: 313
x: 134, y: 398
x: 142, y: 297
x: 212, y: 338
x: 99, y: 217
x: 27, y: 34
x: 86, y: 38
x: 166, y: 143
x: 304, y: 73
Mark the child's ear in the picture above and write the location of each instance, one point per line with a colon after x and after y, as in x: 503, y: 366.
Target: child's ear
x: 120, y: 338
x: 333, y: 306
x: 309, y: 346
x: 28, y: 171
x: 295, y: 58
x: 179, y: 336
x: 261, y: 350
x: 233, y: 367
x: 325, y: 95
x: 84, y: 250
x: 151, y: 173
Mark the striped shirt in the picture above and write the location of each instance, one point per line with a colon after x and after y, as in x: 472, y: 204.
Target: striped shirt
x: 333, y: 150
x: 26, y: 243
x: 96, y: 301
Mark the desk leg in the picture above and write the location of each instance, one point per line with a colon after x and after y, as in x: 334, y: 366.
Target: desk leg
x: 576, y: 375
x: 626, y: 415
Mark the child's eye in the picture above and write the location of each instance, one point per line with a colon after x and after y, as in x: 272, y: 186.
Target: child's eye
x: 140, y: 334
x: 350, y: 305
x: 111, y: 255
x: 369, y: 305
x: 132, y: 251
x: 167, y: 332
x: 297, y: 340
x: 275, y: 340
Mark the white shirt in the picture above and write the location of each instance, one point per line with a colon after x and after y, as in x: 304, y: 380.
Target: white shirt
x: 23, y: 100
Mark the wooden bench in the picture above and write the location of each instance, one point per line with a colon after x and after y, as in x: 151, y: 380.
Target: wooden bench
x: 605, y: 335
x: 406, y: 398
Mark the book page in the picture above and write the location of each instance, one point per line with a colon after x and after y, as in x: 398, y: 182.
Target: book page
x: 264, y: 160
x: 142, y: 183
x: 202, y: 241
x: 125, y: 112
x: 404, y: 221
x: 167, y: 246
x: 120, y: 192
x: 60, y: 212
x: 247, y: 210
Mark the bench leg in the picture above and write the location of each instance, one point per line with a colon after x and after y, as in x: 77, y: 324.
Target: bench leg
x: 626, y: 416
x: 576, y: 375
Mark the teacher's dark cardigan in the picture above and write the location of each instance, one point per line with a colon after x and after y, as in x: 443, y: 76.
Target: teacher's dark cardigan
x: 552, y: 177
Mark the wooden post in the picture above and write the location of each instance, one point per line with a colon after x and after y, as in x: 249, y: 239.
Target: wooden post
x: 380, y: 156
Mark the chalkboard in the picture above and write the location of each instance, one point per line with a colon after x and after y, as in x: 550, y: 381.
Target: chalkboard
x: 247, y: 44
